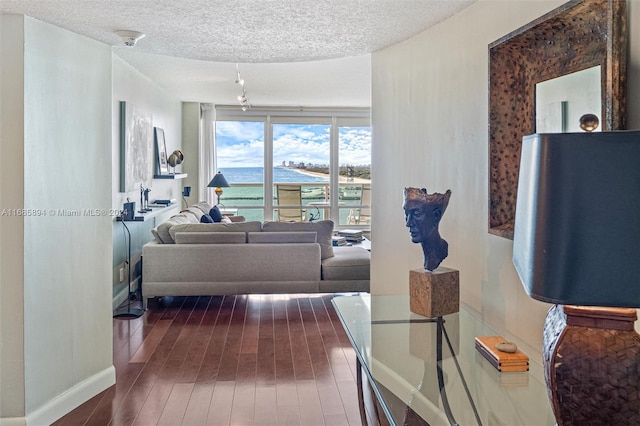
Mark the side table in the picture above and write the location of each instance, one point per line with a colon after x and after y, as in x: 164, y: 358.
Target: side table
x: 426, y: 371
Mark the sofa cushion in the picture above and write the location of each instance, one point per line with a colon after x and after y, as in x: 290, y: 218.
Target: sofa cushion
x: 348, y: 263
x: 156, y: 236
x: 163, y: 229
x: 281, y: 237
x: 215, y: 214
x: 210, y: 237
x: 206, y: 219
x: 253, y: 226
x: 203, y: 206
x: 324, y: 229
x: 195, y: 211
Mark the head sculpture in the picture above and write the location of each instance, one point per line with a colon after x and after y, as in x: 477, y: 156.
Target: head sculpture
x: 422, y: 213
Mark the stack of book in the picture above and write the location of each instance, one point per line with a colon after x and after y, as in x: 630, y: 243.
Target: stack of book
x: 351, y: 235
x: 337, y: 240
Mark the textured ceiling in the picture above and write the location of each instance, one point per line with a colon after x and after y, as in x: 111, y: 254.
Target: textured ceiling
x: 195, y: 39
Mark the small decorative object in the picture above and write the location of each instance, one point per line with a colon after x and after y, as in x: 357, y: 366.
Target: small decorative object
x: 589, y: 122
x: 176, y: 157
x: 511, y: 360
x: 433, y: 293
x: 218, y: 182
x: 423, y: 213
x: 508, y: 347
x: 576, y: 243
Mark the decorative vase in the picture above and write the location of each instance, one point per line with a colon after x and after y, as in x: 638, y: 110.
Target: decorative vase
x: 591, y: 357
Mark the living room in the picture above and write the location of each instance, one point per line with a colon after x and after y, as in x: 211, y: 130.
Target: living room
x: 60, y: 94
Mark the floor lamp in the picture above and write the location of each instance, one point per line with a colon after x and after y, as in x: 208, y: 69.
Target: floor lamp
x: 128, y: 311
x: 577, y: 245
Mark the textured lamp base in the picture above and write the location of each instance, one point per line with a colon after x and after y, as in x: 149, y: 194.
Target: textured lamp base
x: 434, y: 293
x: 591, y: 358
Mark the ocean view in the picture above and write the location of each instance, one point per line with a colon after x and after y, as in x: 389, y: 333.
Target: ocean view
x: 256, y: 175
x: 246, y: 189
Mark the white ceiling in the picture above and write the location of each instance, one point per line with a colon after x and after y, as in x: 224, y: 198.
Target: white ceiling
x: 290, y: 52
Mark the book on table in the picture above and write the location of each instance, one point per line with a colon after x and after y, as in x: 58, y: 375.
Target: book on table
x: 337, y: 240
x: 352, y: 235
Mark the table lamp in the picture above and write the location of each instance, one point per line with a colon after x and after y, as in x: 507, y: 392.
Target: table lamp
x: 577, y: 245
x: 218, y: 182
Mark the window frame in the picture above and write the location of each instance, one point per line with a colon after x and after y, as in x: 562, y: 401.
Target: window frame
x: 335, y: 118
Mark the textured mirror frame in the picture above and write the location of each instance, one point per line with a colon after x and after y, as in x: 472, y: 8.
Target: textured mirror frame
x: 578, y: 35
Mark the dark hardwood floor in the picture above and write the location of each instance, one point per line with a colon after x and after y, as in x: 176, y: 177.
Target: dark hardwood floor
x: 233, y: 360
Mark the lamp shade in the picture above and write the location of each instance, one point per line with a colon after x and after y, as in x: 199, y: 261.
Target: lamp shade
x: 218, y: 181
x: 577, y: 224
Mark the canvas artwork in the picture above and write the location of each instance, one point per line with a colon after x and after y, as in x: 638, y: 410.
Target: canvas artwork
x: 136, y: 148
x: 162, y: 166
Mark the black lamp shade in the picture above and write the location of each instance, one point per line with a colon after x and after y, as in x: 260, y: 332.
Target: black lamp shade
x: 577, y: 224
x: 218, y: 181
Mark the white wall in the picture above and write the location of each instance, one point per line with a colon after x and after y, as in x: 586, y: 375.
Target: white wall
x: 11, y: 227
x: 64, y: 110
x: 166, y: 111
x: 430, y: 115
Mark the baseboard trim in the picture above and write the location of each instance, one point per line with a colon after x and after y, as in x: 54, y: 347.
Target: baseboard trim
x: 72, y: 398
x: 13, y: 421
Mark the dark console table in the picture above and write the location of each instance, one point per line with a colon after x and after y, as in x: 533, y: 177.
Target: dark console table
x: 414, y: 370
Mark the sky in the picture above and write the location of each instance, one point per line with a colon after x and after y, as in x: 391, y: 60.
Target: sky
x: 241, y: 144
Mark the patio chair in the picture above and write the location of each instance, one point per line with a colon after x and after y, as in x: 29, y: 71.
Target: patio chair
x: 289, y: 195
x: 361, y: 215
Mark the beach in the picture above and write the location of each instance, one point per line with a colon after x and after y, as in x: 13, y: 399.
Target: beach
x: 342, y: 179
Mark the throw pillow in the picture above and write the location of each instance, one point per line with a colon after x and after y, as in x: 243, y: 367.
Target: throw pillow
x: 206, y: 219
x: 323, y: 228
x: 215, y: 214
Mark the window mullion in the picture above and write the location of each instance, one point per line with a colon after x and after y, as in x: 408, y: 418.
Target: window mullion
x: 268, y: 168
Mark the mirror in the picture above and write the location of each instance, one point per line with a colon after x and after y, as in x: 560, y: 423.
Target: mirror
x: 561, y: 101
x: 578, y: 35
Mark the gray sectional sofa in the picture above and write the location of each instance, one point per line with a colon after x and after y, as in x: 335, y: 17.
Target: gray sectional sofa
x: 189, y: 258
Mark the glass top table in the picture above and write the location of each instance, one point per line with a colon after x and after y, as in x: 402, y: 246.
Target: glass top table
x: 427, y: 370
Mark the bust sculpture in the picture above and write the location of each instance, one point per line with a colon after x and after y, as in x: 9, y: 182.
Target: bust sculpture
x: 423, y: 212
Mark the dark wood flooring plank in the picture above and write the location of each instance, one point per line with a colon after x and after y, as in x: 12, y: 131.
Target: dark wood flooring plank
x: 221, y: 403
x: 210, y: 366
x: 288, y: 407
x: 266, y: 363
x: 282, y: 343
x: 198, y: 406
x: 299, y: 348
x: 319, y: 359
x: 309, y: 400
x: 176, y: 406
x: 229, y: 360
x: 266, y: 411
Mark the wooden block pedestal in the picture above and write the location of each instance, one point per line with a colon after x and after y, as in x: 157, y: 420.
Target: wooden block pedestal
x: 434, y: 293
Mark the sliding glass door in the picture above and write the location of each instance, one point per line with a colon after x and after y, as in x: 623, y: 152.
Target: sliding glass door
x: 296, y: 167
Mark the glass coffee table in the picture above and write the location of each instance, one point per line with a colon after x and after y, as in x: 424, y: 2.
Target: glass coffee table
x: 426, y: 371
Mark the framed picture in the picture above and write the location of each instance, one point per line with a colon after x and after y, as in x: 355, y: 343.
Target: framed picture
x: 162, y: 166
x: 136, y: 148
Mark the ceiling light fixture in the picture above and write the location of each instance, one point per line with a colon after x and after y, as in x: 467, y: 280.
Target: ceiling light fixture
x: 129, y: 38
x: 242, y: 98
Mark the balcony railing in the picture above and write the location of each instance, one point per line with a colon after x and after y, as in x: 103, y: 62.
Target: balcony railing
x: 248, y: 199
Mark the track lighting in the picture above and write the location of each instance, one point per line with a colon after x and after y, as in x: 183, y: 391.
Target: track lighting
x: 242, y: 98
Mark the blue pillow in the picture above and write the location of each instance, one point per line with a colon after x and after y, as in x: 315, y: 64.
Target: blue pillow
x: 215, y: 214
x: 206, y: 219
